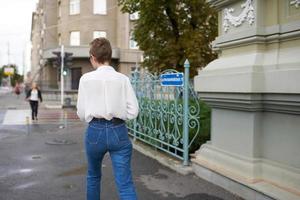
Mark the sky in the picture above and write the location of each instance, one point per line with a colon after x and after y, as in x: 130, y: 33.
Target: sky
x: 15, y: 27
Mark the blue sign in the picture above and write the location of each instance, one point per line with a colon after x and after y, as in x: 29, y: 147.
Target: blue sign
x: 175, y: 79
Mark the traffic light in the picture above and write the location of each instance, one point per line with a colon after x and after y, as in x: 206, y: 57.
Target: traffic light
x: 57, y: 60
x: 67, y: 62
x: 65, y: 72
x: 68, y: 59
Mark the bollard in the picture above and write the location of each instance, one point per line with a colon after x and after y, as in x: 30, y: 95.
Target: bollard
x: 65, y: 118
x: 27, y: 124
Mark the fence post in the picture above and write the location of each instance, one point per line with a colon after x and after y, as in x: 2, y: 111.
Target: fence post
x: 135, y: 88
x: 186, y: 113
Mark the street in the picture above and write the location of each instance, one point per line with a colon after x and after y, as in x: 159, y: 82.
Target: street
x: 46, y: 160
x: 209, y: 90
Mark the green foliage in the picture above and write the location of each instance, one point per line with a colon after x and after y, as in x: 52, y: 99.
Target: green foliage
x: 15, y: 78
x: 204, y: 134
x: 169, y: 31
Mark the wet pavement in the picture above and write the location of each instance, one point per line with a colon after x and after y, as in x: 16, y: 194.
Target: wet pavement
x: 33, y: 169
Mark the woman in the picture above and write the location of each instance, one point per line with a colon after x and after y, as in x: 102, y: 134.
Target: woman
x: 34, y: 95
x: 105, y: 100
x: 17, y: 89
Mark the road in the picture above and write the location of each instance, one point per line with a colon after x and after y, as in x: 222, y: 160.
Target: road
x: 33, y: 168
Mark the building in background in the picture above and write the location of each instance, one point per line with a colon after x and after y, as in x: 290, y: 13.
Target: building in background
x: 74, y: 24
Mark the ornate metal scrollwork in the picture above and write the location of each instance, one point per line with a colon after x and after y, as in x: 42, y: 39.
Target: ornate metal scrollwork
x: 160, y: 120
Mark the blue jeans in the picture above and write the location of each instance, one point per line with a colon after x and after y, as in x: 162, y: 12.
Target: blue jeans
x: 104, y: 136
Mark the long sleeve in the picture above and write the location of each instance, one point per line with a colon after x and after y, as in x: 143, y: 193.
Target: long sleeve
x: 40, y: 95
x: 131, y: 102
x: 28, y: 94
x: 80, y: 102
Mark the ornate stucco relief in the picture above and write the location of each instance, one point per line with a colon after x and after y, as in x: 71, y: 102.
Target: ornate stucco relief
x: 247, y: 14
x: 295, y: 2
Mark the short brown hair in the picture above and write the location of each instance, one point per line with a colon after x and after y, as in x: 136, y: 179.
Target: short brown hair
x: 100, y: 48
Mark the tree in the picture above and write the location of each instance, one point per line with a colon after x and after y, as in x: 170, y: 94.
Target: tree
x: 14, y: 78
x: 169, y: 31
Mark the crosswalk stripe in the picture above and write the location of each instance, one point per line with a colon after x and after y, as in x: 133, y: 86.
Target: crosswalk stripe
x: 18, y: 117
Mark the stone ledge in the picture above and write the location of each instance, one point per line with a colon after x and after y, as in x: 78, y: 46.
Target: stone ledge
x: 218, y: 4
x: 243, y: 40
x: 229, y: 184
x: 254, y: 102
x: 273, y: 179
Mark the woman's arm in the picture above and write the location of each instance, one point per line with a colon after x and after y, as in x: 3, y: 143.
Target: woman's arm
x: 80, y: 101
x: 132, y: 103
x: 28, y: 94
x: 40, y: 95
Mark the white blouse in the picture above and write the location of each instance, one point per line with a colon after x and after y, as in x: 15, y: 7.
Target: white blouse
x: 105, y: 93
x: 34, y: 95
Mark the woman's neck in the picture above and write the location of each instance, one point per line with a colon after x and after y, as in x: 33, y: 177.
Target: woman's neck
x: 102, y: 64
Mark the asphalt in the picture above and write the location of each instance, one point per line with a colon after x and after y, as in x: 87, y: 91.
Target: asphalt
x: 31, y: 168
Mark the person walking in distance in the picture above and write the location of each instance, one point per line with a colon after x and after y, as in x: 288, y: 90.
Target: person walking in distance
x: 33, y: 96
x: 105, y: 101
x: 17, y: 89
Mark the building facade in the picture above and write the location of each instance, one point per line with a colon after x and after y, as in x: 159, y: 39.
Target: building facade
x: 254, y: 92
x: 74, y: 24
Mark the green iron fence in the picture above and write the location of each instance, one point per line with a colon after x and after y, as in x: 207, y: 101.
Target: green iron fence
x: 169, y: 117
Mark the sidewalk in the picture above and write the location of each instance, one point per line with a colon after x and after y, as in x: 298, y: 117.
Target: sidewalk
x: 5, y: 90
x: 32, y: 169
x: 12, y: 101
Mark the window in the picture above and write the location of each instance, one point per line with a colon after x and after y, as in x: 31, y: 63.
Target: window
x: 74, y: 7
x: 134, y: 16
x: 132, y: 43
x: 97, y: 34
x: 135, y: 68
x: 75, y: 38
x: 100, y: 7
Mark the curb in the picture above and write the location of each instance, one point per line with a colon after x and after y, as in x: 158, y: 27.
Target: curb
x: 48, y: 106
x: 162, y: 158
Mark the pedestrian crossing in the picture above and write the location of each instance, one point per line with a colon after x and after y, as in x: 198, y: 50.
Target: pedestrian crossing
x: 16, y: 117
x: 23, y: 117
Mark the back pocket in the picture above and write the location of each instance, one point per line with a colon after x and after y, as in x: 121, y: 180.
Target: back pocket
x: 93, y: 135
x: 121, y: 133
